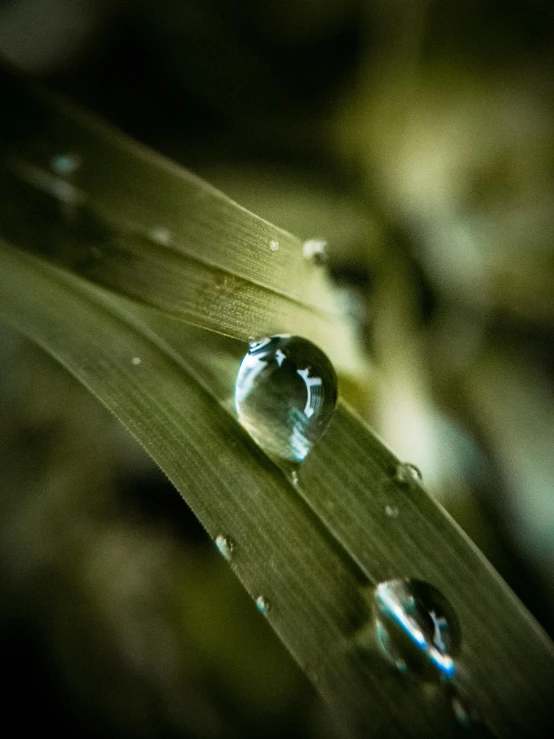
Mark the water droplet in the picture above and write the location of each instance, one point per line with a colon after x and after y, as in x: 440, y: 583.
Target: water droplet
x: 65, y: 164
x: 391, y: 511
x: 294, y: 477
x: 285, y: 394
x: 316, y: 250
x: 461, y: 712
x: 136, y: 361
x: 416, y: 628
x: 262, y: 604
x: 273, y: 245
x: 407, y: 473
x: 225, y: 546
x: 161, y: 235
x: 467, y: 716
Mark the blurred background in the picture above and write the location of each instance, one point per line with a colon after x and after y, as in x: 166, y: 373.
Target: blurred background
x: 417, y: 138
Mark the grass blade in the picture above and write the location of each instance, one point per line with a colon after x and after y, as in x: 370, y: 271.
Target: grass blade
x: 282, y: 551
x: 349, y: 480
x: 314, y: 550
x: 85, y: 196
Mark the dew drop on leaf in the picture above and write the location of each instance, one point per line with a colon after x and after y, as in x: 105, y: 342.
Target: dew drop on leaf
x: 274, y: 245
x: 407, y: 473
x: 65, y: 164
x: 136, y: 361
x: 285, y: 395
x: 262, y: 604
x: 467, y: 716
x: 225, y: 546
x: 391, y: 511
x: 161, y: 235
x: 315, y: 250
x: 416, y: 629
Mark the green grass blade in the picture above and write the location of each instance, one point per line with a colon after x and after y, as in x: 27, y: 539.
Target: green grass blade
x: 282, y: 551
x: 132, y: 222
x: 392, y: 529
x: 128, y: 219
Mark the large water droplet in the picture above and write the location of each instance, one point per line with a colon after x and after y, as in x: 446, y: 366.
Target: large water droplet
x: 417, y: 628
x: 285, y: 394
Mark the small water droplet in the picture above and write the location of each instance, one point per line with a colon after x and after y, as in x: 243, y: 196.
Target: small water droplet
x: 65, y: 164
x: 461, y: 713
x: 273, y: 245
x: 391, y: 511
x: 294, y: 477
x: 225, y: 546
x: 316, y: 250
x: 221, y: 281
x: 282, y: 404
x: 136, y: 361
x: 407, y: 473
x: 467, y: 716
x: 262, y: 604
x: 416, y: 628
x: 161, y: 235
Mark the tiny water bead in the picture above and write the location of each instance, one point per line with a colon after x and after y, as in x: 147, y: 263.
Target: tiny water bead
x: 136, y: 361
x: 161, y: 235
x: 416, y: 629
x: 65, y: 164
x: 273, y: 245
x: 467, y: 716
x: 391, y: 511
x: 285, y: 395
x: 225, y: 546
x: 316, y: 250
x: 407, y: 473
x: 262, y: 604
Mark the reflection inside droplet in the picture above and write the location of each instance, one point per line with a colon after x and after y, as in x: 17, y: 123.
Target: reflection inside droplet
x: 285, y: 395
x: 416, y: 628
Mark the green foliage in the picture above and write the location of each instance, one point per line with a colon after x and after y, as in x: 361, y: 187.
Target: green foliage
x: 106, y: 268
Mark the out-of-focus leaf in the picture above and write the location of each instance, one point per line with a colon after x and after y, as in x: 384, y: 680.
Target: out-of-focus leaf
x: 83, y: 195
